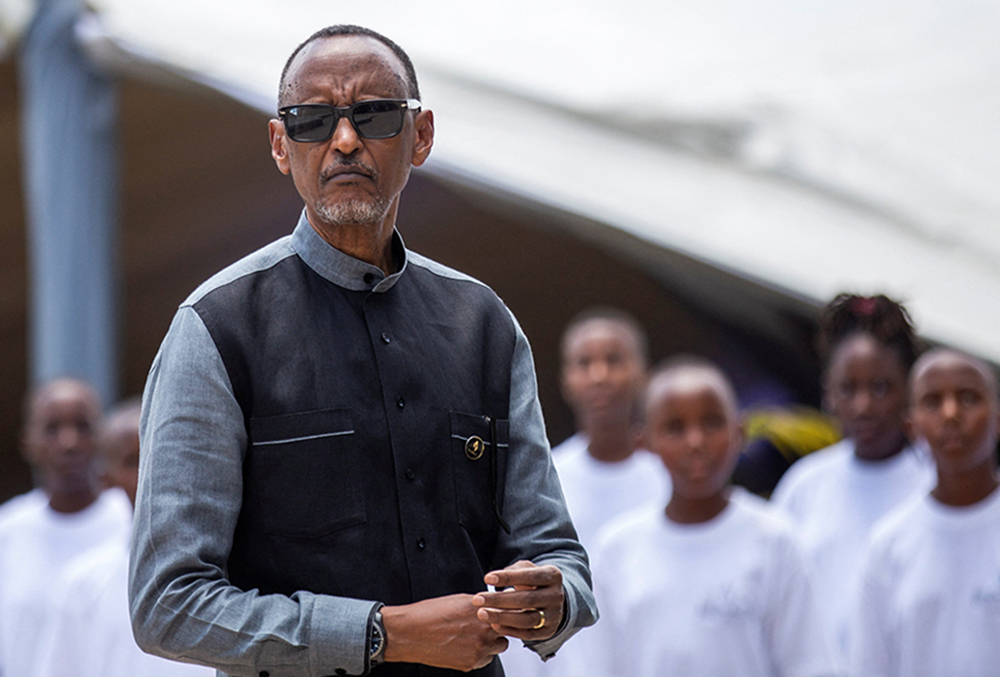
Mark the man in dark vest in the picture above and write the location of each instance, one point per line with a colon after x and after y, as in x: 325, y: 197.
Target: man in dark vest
x: 344, y: 460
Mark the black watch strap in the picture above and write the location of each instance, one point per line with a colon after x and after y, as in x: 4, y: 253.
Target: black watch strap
x: 376, y: 640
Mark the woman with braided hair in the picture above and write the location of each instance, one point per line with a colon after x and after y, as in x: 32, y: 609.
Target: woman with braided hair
x: 835, y: 495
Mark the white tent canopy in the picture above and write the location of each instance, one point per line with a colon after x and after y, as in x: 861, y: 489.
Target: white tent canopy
x: 814, y: 147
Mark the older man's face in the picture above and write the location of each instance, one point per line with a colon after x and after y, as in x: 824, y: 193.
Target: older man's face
x: 348, y: 180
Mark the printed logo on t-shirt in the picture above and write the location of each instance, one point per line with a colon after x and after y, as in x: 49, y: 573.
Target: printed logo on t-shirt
x: 730, y: 603
x: 988, y: 595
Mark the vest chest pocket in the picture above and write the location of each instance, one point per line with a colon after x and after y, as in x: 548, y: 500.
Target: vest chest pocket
x: 302, y: 474
x: 479, y: 458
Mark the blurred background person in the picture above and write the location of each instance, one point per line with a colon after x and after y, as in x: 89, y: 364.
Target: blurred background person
x: 88, y: 632
x: 602, y: 471
x: 931, y: 592
x: 836, y: 495
x: 61, y: 422
x: 712, y: 582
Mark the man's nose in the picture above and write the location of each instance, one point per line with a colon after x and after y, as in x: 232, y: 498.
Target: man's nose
x: 69, y: 437
x: 695, y: 437
x: 862, y: 400
x: 949, y: 407
x: 345, y: 139
x: 598, y: 370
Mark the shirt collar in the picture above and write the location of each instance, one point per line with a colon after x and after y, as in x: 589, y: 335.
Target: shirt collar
x: 343, y: 270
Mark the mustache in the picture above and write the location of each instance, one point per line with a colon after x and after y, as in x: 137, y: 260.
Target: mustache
x: 355, y: 165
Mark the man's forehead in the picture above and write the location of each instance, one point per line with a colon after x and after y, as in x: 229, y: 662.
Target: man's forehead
x: 61, y: 394
x: 348, y: 55
x: 948, y: 363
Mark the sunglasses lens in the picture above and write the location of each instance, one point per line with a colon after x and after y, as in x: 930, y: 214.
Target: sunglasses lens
x: 309, y: 123
x: 378, y: 119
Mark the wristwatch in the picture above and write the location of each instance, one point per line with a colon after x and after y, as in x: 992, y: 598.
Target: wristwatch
x: 376, y: 641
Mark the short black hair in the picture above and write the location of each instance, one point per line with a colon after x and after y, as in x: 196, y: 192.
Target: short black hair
x: 681, y: 362
x: 413, y: 90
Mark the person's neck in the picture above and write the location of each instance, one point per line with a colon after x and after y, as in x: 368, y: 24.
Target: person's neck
x: 891, y: 451
x: 369, y: 243
x: 966, y: 488
x: 611, y: 443
x: 696, y: 510
x: 72, y: 502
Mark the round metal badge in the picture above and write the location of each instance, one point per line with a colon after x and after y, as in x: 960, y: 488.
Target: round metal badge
x: 474, y: 447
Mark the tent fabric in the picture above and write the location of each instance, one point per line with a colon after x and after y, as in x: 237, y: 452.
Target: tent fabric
x: 813, y: 147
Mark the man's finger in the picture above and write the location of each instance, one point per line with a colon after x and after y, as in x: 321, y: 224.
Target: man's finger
x: 525, y: 619
x: 519, y: 599
x: 526, y: 576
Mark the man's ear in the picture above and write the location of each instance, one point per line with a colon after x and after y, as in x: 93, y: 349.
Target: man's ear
x: 279, y: 145
x: 423, y: 138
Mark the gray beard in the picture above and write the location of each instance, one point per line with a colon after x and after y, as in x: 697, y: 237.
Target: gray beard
x: 354, y: 212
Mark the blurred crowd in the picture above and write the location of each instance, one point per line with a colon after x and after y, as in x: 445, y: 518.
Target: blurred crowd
x: 863, y: 539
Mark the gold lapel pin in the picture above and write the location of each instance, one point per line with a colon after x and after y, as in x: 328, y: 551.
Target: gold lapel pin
x: 474, y: 447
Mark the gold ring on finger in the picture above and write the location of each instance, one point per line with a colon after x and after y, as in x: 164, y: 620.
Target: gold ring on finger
x: 541, y: 621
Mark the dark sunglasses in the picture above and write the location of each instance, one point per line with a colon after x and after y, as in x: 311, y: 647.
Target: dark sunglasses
x: 377, y: 119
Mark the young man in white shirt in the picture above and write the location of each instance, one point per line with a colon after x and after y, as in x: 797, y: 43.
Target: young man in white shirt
x: 37, y: 543
x: 930, y: 602
x: 602, y: 472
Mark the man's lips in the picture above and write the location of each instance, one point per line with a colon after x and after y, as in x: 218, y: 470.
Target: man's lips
x: 347, y: 173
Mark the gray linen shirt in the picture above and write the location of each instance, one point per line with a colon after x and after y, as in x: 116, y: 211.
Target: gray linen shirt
x: 190, y: 492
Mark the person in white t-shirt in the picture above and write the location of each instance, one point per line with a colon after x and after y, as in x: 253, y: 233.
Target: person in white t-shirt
x: 38, y: 542
x: 603, y: 474
x: 930, y: 602
x: 88, y: 632
x: 715, y: 583
x: 836, y: 495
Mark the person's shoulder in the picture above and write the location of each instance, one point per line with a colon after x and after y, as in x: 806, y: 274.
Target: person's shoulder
x: 632, y: 526
x: 259, y: 261
x: 905, y: 524
x: 761, y: 515
x: 14, y: 509
x: 569, y: 458
x: 572, y: 444
x: 439, y: 270
x: 813, y: 468
x: 457, y: 288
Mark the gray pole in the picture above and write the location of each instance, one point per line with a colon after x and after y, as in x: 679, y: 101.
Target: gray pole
x: 69, y: 134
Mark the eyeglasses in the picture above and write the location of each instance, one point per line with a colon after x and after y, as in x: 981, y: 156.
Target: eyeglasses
x: 376, y: 119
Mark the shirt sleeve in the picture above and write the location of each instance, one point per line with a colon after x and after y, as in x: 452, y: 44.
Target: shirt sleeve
x: 541, y: 529
x: 190, y: 491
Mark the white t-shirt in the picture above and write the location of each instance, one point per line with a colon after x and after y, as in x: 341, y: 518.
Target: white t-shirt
x: 89, y: 633
x: 27, y: 502
x: 596, y: 492
x: 726, y: 597
x: 930, y: 602
x: 835, y: 499
x: 35, y: 546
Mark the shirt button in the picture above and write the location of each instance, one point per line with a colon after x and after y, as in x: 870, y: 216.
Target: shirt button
x: 369, y: 278
x: 410, y: 475
x: 400, y: 403
x: 421, y: 544
x: 385, y: 338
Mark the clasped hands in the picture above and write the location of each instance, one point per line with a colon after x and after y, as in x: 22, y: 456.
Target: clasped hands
x: 465, y: 632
